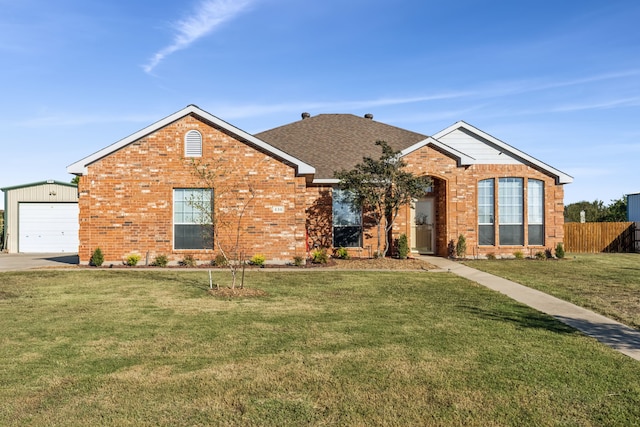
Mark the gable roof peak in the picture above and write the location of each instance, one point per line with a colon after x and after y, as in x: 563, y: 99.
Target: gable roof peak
x: 302, y: 168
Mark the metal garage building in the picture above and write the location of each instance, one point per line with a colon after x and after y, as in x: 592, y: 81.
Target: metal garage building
x: 41, y: 217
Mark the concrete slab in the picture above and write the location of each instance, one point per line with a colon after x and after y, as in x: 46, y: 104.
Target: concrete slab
x: 20, y: 262
x: 610, y: 332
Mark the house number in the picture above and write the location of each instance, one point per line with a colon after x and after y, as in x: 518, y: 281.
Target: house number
x: 278, y: 209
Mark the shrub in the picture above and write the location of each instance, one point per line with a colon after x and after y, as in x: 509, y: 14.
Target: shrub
x: 319, y: 256
x: 461, y: 246
x: 518, y: 254
x: 132, y: 260
x: 160, y: 261
x: 298, y: 261
x: 548, y: 254
x: 220, y: 261
x: 541, y: 255
x: 491, y: 256
x: 559, y: 251
x: 451, y: 248
x: 188, y: 261
x: 403, y: 246
x: 96, y: 258
x: 257, y: 260
x: 341, y: 253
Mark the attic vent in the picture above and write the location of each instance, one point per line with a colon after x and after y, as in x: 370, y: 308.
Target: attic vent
x: 305, y: 116
x: 193, y: 144
x: 368, y: 116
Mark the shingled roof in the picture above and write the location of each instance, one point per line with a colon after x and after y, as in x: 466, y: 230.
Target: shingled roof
x: 332, y: 142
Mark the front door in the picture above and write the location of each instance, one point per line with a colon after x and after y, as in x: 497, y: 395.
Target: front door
x: 423, y: 226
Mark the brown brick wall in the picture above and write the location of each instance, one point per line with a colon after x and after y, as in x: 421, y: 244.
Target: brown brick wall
x: 126, y: 199
x: 456, y: 201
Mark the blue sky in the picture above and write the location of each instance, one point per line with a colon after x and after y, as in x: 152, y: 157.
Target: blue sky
x: 559, y: 80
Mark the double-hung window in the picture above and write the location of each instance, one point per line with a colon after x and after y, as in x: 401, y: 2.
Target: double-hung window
x: 511, y: 211
x: 347, y: 220
x: 535, y: 211
x: 192, y: 218
x: 486, y: 206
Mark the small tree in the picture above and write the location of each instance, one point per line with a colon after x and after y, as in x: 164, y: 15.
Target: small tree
x: 222, y: 218
x: 381, y: 186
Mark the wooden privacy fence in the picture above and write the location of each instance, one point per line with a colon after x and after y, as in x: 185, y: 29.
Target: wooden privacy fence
x: 600, y: 237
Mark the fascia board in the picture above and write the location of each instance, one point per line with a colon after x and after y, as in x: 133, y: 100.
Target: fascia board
x: 80, y: 167
x: 561, y: 177
x: 463, y: 158
x: 35, y: 184
x: 325, y: 181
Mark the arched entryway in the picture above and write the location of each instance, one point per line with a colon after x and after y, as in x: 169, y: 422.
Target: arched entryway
x: 428, y: 220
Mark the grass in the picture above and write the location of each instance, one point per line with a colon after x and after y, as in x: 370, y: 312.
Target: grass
x: 606, y: 283
x: 323, y: 348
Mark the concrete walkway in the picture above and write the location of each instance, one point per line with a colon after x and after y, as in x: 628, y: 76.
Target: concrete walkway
x: 20, y: 262
x: 614, y: 334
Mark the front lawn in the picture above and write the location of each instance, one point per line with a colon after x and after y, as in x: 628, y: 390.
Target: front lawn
x: 606, y: 283
x: 145, y: 348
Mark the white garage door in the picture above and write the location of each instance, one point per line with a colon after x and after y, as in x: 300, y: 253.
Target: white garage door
x: 48, y: 227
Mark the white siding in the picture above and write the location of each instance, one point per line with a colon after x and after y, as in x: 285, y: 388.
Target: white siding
x: 481, y: 150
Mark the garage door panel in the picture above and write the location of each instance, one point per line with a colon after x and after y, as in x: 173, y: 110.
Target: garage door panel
x: 48, y: 227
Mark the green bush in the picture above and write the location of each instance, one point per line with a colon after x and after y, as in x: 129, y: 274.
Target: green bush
x: 298, y: 261
x: 188, y: 261
x: 341, y: 253
x: 541, y: 255
x: 518, y: 254
x: 461, y: 246
x: 96, y: 258
x: 132, y: 260
x: 257, y: 260
x: 220, y: 261
x: 403, y: 246
x: 491, y: 256
x: 319, y: 256
x: 160, y: 261
x: 559, y: 251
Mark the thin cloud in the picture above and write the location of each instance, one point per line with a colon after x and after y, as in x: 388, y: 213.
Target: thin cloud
x: 208, y: 16
x: 252, y: 110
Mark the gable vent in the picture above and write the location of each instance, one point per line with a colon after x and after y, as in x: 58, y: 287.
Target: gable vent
x: 193, y: 144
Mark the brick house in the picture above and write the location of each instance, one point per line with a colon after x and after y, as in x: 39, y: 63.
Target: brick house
x: 146, y: 193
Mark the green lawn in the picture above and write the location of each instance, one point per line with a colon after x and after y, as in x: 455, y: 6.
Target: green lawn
x: 147, y: 348
x: 606, y: 283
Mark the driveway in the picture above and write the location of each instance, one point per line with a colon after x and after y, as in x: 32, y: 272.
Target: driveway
x: 21, y: 262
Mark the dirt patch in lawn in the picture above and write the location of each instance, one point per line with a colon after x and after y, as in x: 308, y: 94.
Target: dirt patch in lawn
x: 381, y: 264
x: 227, y: 292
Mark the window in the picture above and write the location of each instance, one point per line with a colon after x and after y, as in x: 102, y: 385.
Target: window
x: 347, y: 221
x: 192, y: 227
x: 486, y: 227
x: 535, y: 209
x: 193, y: 144
x: 511, y: 213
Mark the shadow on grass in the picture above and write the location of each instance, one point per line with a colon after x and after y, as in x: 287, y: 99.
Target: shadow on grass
x: 522, y: 318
